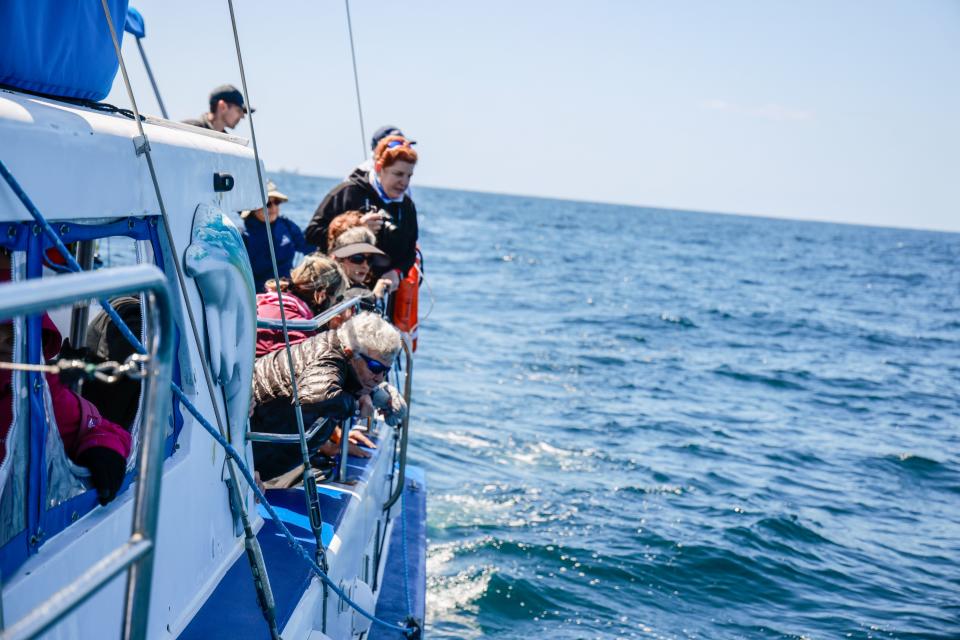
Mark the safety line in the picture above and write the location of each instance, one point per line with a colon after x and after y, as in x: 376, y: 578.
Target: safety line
x: 309, y: 479
x: 188, y: 405
x: 269, y: 614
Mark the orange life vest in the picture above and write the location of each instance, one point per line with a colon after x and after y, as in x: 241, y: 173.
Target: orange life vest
x: 405, y: 303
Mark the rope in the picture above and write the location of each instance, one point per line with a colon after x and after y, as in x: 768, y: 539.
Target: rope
x: 189, y: 406
x: 108, y: 372
x: 433, y: 300
x: 153, y: 81
x: 105, y: 107
x: 233, y: 485
x: 309, y: 480
x: 301, y: 551
x: 166, y: 227
x: 356, y: 80
x: 273, y: 255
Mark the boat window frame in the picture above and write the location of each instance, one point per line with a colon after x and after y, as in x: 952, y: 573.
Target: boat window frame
x: 43, y: 522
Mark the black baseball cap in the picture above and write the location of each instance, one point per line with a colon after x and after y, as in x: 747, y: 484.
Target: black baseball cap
x: 383, y: 132
x: 229, y: 94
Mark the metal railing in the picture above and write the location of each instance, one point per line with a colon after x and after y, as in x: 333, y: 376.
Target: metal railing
x: 286, y: 438
x: 300, y: 325
x: 315, y: 323
x: 405, y: 425
x: 137, y: 553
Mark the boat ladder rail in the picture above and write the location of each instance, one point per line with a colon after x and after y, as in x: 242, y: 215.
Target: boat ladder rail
x: 136, y: 555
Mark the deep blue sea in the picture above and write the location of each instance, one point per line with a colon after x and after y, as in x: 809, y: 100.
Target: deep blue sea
x: 641, y: 423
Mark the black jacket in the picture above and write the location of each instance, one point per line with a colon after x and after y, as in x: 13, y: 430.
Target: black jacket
x: 354, y: 194
x: 327, y: 386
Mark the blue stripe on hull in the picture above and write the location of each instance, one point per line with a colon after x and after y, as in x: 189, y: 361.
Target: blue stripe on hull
x: 231, y: 612
x: 392, y: 603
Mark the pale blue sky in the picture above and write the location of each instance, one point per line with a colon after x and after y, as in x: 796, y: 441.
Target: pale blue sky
x: 839, y: 110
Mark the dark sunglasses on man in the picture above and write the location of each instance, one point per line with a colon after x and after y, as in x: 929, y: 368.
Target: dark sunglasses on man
x: 376, y: 367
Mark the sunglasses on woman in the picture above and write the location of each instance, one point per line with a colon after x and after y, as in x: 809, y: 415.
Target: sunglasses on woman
x: 376, y: 367
x: 360, y: 258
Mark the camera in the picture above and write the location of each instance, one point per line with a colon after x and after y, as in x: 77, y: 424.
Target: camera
x: 388, y: 224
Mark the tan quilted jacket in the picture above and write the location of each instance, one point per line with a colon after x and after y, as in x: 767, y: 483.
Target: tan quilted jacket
x: 320, y: 364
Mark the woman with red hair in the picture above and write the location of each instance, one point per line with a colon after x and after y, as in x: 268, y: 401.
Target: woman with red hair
x: 381, y: 194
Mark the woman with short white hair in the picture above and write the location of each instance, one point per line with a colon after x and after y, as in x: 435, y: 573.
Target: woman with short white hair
x: 334, y: 370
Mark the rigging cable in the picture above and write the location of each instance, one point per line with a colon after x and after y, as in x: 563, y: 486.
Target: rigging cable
x: 153, y: 81
x: 356, y: 81
x: 409, y: 631
x: 309, y: 479
x: 264, y: 591
x: 143, y: 146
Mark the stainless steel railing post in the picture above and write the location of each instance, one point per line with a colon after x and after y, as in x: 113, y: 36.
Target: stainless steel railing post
x: 156, y: 409
x: 344, y: 450
x: 36, y: 296
x: 405, y: 425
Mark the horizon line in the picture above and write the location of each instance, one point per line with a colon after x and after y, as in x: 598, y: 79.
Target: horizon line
x: 738, y: 214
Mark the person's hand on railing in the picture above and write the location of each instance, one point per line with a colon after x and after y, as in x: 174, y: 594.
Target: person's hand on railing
x: 366, y: 406
x: 68, y: 352
x: 331, y: 447
x: 382, y: 287
x: 358, y: 438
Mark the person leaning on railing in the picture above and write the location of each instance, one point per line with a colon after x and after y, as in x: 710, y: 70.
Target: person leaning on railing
x: 355, y: 252
x: 334, y: 370
x: 383, y: 189
x: 313, y: 286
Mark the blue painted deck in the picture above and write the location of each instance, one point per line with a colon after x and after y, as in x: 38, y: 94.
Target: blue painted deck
x: 392, y: 605
x: 232, y: 612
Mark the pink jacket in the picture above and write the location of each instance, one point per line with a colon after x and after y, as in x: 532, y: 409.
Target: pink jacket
x: 80, y: 424
x: 268, y: 306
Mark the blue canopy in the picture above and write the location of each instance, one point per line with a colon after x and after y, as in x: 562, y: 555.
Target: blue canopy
x: 59, y: 48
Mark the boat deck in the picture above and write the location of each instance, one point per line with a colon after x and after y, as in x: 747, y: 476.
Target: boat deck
x: 232, y: 610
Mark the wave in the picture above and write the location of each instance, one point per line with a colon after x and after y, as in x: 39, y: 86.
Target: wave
x: 716, y: 439
x: 918, y: 466
x: 777, y: 380
x: 681, y: 321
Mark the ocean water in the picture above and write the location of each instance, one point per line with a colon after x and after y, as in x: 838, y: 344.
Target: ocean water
x: 640, y: 423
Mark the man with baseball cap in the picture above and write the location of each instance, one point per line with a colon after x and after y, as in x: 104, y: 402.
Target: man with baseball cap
x: 226, y: 110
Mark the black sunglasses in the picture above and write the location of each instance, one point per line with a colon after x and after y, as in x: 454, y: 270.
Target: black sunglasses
x: 376, y: 367
x: 360, y: 258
